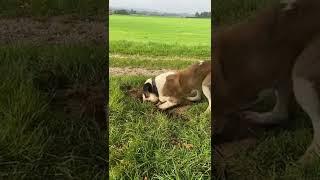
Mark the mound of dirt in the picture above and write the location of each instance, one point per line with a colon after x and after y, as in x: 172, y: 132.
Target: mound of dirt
x: 236, y: 137
x: 84, y: 101
x: 75, y: 101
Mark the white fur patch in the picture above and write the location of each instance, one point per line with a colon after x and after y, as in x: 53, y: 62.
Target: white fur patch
x: 160, y: 80
x: 166, y: 105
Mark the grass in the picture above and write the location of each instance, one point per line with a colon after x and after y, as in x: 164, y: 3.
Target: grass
x: 277, y: 151
x: 83, y: 8
x: 136, y: 61
x: 165, y: 42
x: 164, y: 30
x: 37, y: 141
x: 231, y: 11
x: 158, y: 49
x: 143, y: 141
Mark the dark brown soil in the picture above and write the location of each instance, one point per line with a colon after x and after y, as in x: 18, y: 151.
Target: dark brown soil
x: 53, y: 30
x: 81, y: 101
x: 237, y: 136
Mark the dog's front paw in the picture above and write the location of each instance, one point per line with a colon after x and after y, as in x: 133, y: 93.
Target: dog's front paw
x: 263, y: 118
x: 312, y: 154
x: 167, y: 105
x: 162, y: 106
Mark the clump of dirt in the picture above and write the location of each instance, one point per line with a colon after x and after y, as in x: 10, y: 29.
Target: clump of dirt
x: 174, y: 112
x: 83, y: 101
x: 76, y: 101
x: 135, y: 93
x: 178, y: 142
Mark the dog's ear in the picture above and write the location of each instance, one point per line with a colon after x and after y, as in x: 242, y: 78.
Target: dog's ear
x: 147, y: 89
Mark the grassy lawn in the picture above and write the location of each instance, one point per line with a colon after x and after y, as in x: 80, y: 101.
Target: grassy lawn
x: 145, y: 142
x: 277, y: 151
x: 185, y: 31
x: 158, y: 42
x: 38, y: 139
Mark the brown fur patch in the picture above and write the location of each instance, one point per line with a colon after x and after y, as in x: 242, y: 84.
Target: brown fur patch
x: 254, y: 55
x: 181, y: 84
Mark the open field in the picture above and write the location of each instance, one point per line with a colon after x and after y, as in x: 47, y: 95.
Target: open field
x: 165, y: 30
x: 158, y: 42
x: 39, y: 138
x: 274, y: 152
x: 145, y: 142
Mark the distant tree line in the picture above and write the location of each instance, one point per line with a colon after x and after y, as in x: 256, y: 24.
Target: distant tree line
x: 124, y: 11
x: 150, y: 13
x: 203, y: 14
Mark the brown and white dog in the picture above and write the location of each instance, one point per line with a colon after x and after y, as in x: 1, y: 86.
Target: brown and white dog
x: 280, y: 47
x: 173, y: 88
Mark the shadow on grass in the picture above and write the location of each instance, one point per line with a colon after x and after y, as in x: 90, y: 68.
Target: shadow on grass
x: 39, y: 139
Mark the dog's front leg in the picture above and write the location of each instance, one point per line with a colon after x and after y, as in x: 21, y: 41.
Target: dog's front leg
x: 168, y: 102
x: 167, y: 105
x: 279, y: 113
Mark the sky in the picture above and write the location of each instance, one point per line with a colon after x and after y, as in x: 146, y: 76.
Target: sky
x: 172, y: 6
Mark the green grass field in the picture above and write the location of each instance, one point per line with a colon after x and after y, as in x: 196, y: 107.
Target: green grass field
x: 164, y: 30
x: 277, y: 151
x: 38, y: 140
x: 143, y: 141
x: 158, y: 41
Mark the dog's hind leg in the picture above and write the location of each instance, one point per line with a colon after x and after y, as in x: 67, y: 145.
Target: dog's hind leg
x: 306, y: 76
x: 197, y: 97
x: 280, y: 111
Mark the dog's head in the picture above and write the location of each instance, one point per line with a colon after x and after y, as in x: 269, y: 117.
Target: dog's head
x: 154, y: 86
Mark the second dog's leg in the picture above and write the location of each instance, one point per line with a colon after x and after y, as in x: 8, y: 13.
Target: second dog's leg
x: 306, y: 78
x: 280, y: 111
